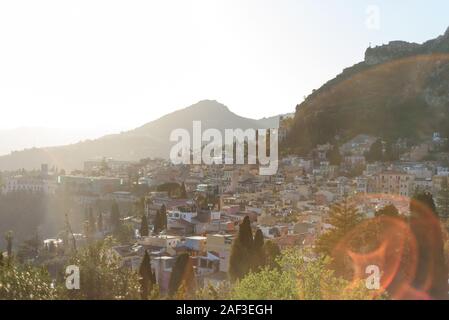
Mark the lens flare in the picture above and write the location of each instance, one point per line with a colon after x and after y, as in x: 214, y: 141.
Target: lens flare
x: 407, y: 250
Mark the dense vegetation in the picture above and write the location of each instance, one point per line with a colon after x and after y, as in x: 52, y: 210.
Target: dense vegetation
x: 396, y: 99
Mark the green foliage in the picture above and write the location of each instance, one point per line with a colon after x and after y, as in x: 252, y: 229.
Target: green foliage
x: 272, y: 252
x: 172, y: 188
x: 182, y: 279
x: 374, y: 100
x: 343, y: 217
x: 242, y: 251
x: 300, y: 276
x: 160, y: 220
x: 221, y: 291
x: 147, y: 277
x: 100, y: 222
x: 92, y: 223
x: 124, y: 233
x: 259, y: 258
x: 144, y: 232
x: 389, y: 210
x: 102, y: 277
x: 267, y: 284
x: 115, y: 216
x: 8, y: 239
x: 422, y: 201
x: 375, y: 152
x: 25, y: 283
x: 334, y: 156
x: 183, y: 192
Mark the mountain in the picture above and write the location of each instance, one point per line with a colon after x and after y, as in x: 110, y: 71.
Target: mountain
x: 28, y: 137
x: 149, y: 140
x: 400, y: 90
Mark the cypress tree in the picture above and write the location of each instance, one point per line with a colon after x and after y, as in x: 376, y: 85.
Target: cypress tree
x: 183, y: 192
x: 182, y: 275
x: 100, y: 222
x: 92, y: 228
x: 259, y: 252
x: 147, y: 277
x: 115, y: 216
x: 245, y: 233
x: 144, y: 226
x: 157, y: 222
x: 8, y: 238
x: 375, y: 152
x: 163, y: 217
x: 241, y: 253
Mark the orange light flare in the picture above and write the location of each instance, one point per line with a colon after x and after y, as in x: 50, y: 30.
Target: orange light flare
x: 408, y: 252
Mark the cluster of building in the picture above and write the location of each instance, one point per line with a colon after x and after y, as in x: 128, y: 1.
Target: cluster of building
x: 291, y: 208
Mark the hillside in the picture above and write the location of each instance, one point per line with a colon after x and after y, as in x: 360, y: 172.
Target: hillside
x: 150, y: 140
x: 400, y: 90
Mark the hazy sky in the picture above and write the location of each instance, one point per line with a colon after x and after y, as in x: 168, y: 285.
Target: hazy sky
x: 114, y: 65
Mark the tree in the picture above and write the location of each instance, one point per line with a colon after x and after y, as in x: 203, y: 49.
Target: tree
x: 431, y: 269
x: 144, y: 232
x: 182, y: 276
x: 390, y: 153
x: 124, y: 233
x: 115, y: 216
x: 147, y: 277
x: 334, y: 156
x: 157, y: 222
x: 259, y: 258
x: 92, y: 227
x: 26, y: 283
x: 183, y: 192
x: 298, y: 277
x: 100, y: 222
x: 375, y: 152
x: 272, y: 252
x: 422, y: 201
x: 389, y: 210
x: 443, y: 199
x: 103, y: 277
x: 343, y: 217
x: 8, y: 238
x: 163, y: 217
x: 242, y: 248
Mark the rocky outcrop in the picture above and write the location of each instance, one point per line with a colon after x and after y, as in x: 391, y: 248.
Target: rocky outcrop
x: 402, y: 49
x: 400, y: 90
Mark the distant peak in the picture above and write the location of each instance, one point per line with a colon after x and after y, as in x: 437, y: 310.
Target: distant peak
x: 209, y: 105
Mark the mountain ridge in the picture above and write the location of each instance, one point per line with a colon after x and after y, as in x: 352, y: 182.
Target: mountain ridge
x: 148, y: 140
x: 399, y: 90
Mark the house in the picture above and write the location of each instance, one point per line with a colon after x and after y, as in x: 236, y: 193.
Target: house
x: 397, y: 183
x: 196, y: 243
x: 220, y: 245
